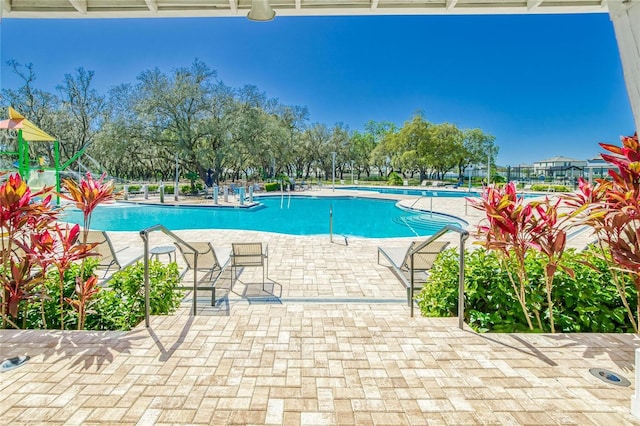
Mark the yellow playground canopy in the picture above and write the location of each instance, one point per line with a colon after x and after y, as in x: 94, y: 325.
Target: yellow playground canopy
x: 30, y: 132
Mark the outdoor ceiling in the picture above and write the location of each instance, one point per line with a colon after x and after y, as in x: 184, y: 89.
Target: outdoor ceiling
x: 215, y: 8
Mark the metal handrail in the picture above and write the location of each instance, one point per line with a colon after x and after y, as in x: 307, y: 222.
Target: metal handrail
x: 464, y: 235
x: 144, y: 234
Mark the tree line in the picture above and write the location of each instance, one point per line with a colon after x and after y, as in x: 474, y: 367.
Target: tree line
x: 137, y: 131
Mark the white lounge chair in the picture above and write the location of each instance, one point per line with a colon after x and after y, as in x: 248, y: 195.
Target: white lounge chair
x: 424, y: 255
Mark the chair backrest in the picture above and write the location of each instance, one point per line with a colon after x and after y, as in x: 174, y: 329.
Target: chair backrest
x: 423, y: 259
x: 247, y: 254
x: 104, y: 249
x: 207, y: 258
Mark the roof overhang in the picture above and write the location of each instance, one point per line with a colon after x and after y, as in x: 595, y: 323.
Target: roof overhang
x: 56, y: 9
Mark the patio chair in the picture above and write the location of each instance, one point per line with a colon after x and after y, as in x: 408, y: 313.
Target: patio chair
x: 249, y: 255
x: 108, y: 257
x: 208, y: 260
x: 424, y: 255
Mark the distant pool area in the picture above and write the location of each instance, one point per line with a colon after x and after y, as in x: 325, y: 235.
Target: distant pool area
x: 435, y: 193
x: 297, y: 215
x: 414, y: 191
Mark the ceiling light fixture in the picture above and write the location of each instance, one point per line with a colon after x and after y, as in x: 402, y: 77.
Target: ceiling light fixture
x: 261, y: 11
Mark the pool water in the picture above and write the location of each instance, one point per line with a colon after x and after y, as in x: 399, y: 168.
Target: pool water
x: 299, y: 215
x: 418, y: 192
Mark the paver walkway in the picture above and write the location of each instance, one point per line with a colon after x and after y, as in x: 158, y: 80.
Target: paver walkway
x: 332, y: 343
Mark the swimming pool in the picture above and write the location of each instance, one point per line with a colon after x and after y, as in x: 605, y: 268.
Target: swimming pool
x: 299, y: 215
x: 418, y: 192
x: 424, y: 192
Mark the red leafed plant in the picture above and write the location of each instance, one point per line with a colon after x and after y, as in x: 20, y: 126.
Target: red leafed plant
x: 22, y: 214
x: 612, y: 207
x: 508, y: 232
x: 85, y: 291
x: 32, y: 242
x: 513, y: 227
x: 87, y: 195
x: 550, y: 238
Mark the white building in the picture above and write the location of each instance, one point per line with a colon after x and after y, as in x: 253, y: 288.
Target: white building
x: 559, y: 168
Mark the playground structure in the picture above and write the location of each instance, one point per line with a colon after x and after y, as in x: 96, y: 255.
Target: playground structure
x: 16, y: 133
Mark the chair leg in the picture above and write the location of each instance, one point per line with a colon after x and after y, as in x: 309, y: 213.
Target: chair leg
x: 213, y: 295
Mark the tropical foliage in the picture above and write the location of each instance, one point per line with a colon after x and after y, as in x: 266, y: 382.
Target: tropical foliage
x: 527, y: 245
x: 582, y: 302
x: 45, y: 277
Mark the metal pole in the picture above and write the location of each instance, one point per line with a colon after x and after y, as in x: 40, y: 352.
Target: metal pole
x: 489, y: 167
x: 331, y: 224
x: 56, y: 159
x: 195, y: 283
x: 175, y: 190
x: 463, y: 237
x: 147, y: 308
x: 351, y: 172
x: 411, y: 284
x: 333, y: 171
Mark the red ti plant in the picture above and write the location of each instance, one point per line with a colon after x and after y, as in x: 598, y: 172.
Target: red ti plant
x: 549, y: 237
x: 613, y: 208
x: 87, y: 195
x: 22, y: 214
x: 508, y: 232
x: 85, y: 291
x: 63, y: 250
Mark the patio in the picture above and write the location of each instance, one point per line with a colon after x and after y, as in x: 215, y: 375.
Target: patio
x: 332, y: 344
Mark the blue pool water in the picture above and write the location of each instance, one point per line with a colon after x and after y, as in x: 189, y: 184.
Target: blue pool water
x: 301, y: 215
x: 418, y: 192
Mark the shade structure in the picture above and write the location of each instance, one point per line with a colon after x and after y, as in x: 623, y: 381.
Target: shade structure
x: 30, y: 132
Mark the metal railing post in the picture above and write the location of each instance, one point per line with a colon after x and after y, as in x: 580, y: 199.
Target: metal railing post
x: 195, y: 283
x: 461, y: 297
x: 330, y: 224
x: 411, y: 281
x: 464, y: 235
x: 145, y: 239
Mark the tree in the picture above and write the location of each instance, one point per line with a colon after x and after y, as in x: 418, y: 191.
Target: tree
x: 81, y: 113
x: 175, y: 109
x: 477, y: 145
x: 36, y: 104
x: 446, y: 144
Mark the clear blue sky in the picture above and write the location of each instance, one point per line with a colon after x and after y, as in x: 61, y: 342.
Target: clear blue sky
x: 543, y: 85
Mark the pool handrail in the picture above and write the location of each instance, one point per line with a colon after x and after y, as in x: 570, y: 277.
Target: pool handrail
x: 144, y: 234
x: 464, y: 235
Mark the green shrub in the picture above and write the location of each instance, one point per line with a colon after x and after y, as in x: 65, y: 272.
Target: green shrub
x: 394, y: 179
x: 134, y: 188
x: 31, y: 312
x: 586, y: 303
x: 118, y: 307
x: 121, y: 307
x: 152, y: 188
x: 185, y: 189
x: 168, y: 189
x: 552, y: 188
x: 271, y: 186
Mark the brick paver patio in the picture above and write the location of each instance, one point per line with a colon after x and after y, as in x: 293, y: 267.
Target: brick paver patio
x: 331, y: 342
